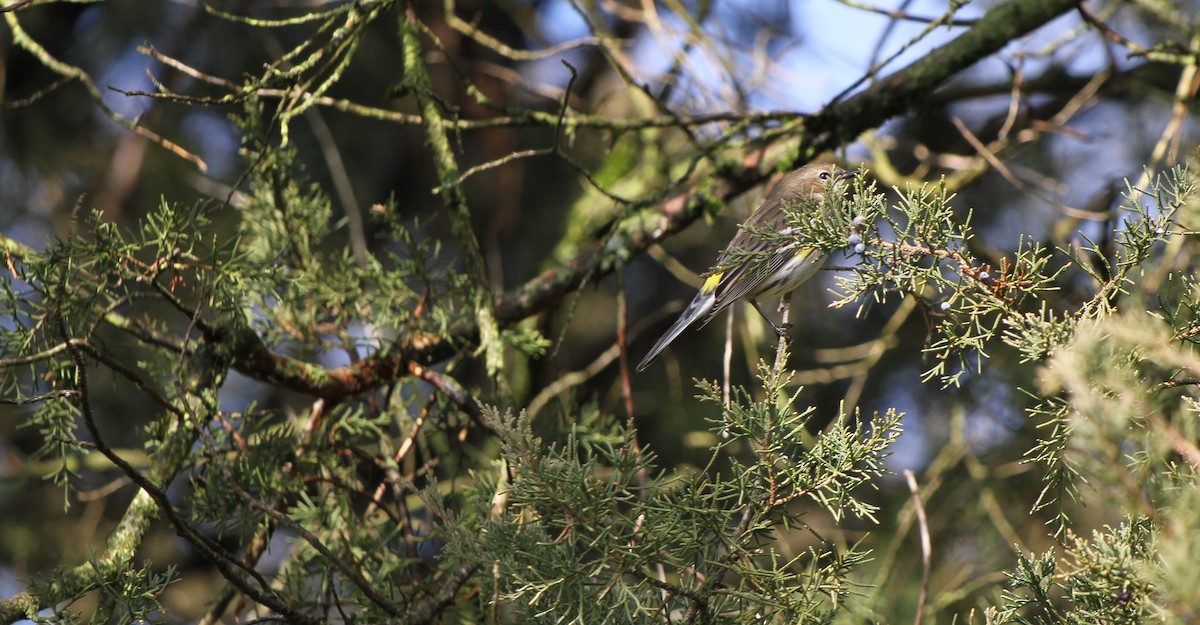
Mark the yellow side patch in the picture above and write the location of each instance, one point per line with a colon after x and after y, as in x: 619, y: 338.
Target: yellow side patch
x: 711, y: 283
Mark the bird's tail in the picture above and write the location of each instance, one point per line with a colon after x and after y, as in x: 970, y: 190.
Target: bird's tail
x: 700, y: 306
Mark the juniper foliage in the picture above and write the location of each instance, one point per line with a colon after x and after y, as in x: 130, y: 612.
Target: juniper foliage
x: 326, y: 426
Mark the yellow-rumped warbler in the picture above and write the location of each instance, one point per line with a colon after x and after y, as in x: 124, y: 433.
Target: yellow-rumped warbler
x: 749, y: 267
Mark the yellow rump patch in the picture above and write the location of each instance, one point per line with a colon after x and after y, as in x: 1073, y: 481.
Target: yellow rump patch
x: 711, y: 283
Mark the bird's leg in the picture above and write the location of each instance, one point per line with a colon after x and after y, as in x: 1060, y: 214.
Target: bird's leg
x: 780, y: 331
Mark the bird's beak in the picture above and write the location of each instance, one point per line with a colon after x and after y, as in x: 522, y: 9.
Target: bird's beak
x: 848, y: 174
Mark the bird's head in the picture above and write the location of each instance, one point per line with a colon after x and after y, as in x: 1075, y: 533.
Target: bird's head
x: 808, y: 182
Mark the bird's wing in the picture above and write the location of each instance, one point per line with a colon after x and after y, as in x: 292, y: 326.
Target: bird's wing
x: 730, y: 281
x: 751, y: 275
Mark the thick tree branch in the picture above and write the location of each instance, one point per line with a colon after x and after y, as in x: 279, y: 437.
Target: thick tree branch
x: 841, y: 123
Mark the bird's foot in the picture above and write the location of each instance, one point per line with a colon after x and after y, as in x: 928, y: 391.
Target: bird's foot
x: 781, y: 330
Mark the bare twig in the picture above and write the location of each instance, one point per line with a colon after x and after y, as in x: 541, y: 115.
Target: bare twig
x: 14, y: 6
x: 887, y: 31
x: 901, y: 14
x: 34, y: 399
x: 989, y: 155
x: 1135, y: 49
x: 926, y: 548
x: 486, y: 40
x: 623, y: 344
x: 876, y: 66
x: 340, y: 177
x: 449, y: 387
x: 785, y: 338
x: 37, y: 95
x: 66, y: 70
x: 727, y: 358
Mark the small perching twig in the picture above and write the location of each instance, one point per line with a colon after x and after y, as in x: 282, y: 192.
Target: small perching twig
x: 37, y: 95
x: 926, y: 548
x: 449, y: 387
x: 68, y: 71
x: 781, y: 350
x: 887, y: 30
x: 871, y: 73
x: 499, y: 47
x: 899, y: 14
x: 334, y: 11
x: 492, y: 164
x: 554, y: 149
x: 183, y: 68
x: 1135, y: 49
x: 14, y: 6
x: 990, y: 156
x: 623, y: 347
x: 33, y: 399
x: 727, y: 358
x: 1185, y: 91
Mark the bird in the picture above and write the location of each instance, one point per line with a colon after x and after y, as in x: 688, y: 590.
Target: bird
x: 762, y: 271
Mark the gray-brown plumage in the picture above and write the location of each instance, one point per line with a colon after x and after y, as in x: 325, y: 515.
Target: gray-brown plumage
x: 786, y: 268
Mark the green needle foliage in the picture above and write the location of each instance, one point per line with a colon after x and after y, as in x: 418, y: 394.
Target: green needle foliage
x: 291, y: 409
x: 586, y: 526
x: 593, y: 531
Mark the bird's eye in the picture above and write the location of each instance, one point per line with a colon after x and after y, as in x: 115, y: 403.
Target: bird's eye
x: 824, y: 175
